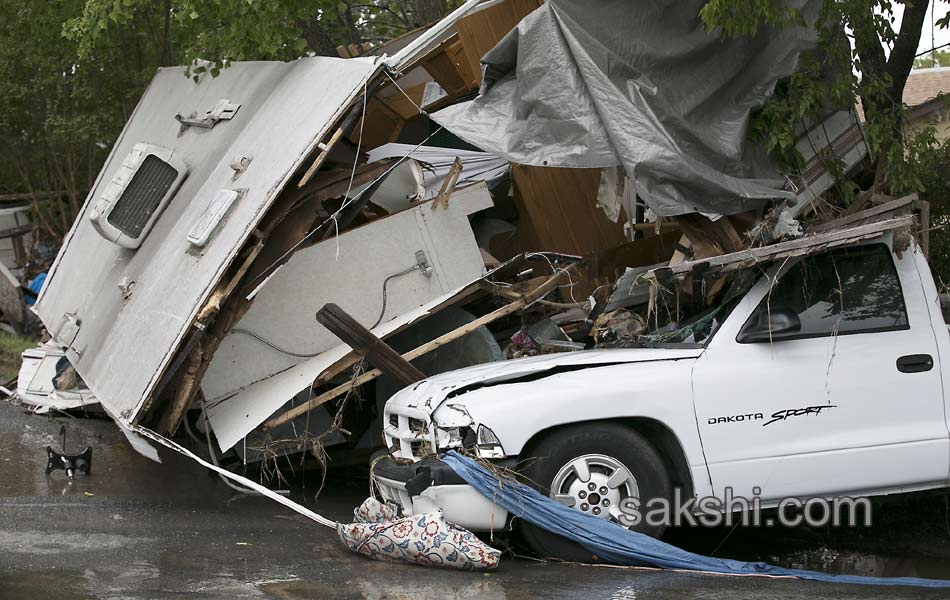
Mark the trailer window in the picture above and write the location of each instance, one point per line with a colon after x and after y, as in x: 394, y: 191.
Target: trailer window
x: 851, y: 290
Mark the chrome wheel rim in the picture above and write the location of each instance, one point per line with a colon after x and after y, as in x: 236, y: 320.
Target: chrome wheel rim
x: 595, y: 484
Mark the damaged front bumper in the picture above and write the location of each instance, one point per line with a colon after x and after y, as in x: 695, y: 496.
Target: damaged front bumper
x: 430, y: 484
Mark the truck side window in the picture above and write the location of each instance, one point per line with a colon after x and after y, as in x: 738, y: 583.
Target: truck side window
x: 850, y: 290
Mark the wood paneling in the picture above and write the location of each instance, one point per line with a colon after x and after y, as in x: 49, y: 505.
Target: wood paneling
x: 558, y: 211
x: 480, y: 31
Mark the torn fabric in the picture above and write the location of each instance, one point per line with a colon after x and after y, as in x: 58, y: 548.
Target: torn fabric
x: 638, y: 84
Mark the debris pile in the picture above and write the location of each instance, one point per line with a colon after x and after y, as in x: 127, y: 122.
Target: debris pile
x: 453, y: 217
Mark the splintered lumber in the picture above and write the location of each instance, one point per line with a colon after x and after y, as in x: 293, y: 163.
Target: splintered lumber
x: 320, y: 158
x: 539, y: 292
x: 367, y: 345
x: 197, y: 362
x: 448, y: 185
x: 864, y: 215
x: 808, y: 244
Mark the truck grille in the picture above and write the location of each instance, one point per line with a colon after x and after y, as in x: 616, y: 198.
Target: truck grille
x: 142, y: 196
x: 408, y: 433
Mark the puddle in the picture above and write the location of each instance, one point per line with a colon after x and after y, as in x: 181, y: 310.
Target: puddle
x: 43, y: 584
x: 868, y: 564
x: 117, y: 470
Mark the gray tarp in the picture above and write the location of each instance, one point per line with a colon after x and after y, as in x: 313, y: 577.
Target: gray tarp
x: 640, y: 84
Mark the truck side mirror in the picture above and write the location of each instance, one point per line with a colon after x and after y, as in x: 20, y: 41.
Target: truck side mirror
x: 765, y: 325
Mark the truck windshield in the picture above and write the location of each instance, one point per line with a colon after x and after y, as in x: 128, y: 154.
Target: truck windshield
x: 675, y: 320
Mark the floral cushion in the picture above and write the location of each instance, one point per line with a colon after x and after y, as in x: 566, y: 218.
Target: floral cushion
x: 424, y: 539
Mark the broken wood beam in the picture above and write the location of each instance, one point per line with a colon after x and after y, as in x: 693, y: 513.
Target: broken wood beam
x: 807, y: 244
x: 352, y: 358
x: 526, y: 300
x: 858, y: 217
x: 325, y: 150
x: 448, y: 184
x: 367, y: 345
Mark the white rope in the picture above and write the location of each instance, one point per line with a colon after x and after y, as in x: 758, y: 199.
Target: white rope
x: 297, y: 508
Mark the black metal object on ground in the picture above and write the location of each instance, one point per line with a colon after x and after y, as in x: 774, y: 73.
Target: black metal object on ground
x: 70, y: 463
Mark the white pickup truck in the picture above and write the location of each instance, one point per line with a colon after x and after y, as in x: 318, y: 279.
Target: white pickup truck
x: 823, y: 378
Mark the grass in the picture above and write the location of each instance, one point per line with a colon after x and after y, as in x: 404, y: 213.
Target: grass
x: 11, y: 346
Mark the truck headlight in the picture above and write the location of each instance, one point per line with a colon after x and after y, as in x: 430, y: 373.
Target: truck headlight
x: 454, y: 437
x: 487, y: 444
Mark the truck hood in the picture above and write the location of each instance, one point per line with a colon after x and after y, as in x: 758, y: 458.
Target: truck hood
x: 426, y: 395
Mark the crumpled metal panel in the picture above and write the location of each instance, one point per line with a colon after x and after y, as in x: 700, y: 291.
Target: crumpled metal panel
x: 602, y: 83
x: 121, y: 314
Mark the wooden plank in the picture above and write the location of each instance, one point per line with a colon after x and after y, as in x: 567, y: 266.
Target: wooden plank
x: 352, y: 358
x: 367, y: 345
x: 791, y: 248
x: 448, y: 185
x: 481, y: 30
x: 398, y: 102
x: 447, y: 73
x: 887, y: 207
x: 525, y: 301
x: 380, y: 124
x: 320, y: 158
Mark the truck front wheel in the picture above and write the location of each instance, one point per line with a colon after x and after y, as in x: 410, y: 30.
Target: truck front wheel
x: 595, y: 468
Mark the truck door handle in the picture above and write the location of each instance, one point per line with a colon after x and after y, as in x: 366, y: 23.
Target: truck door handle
x: 915, y: 363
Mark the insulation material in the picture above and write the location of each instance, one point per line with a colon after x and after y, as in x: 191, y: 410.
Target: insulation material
x: 476, y: 166
x: 641, y: 85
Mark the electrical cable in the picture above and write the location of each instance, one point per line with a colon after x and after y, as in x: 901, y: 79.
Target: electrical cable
x: 270, y: 344
x: 382, y: 311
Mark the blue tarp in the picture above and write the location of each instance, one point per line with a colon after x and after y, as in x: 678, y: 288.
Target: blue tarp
x: 35, y: 286
x: 621, y: 546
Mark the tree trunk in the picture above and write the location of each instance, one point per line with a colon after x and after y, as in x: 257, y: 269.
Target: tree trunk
x: 349, y: 24
x: 317, y: 37
x: 425, y: 12
x: 884, y: 107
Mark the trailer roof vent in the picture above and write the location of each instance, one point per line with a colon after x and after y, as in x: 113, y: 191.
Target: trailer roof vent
x: 134, y: 199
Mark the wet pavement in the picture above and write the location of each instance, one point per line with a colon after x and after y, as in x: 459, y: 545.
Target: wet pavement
x: 134, y: 529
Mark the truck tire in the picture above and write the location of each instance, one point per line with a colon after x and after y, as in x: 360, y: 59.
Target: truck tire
x: 604, y: 449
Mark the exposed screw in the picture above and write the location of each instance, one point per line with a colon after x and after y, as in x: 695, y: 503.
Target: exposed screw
x: 606, y: 502
x: 591, y: 486
x: 584, y: 506
x: 596, y: 511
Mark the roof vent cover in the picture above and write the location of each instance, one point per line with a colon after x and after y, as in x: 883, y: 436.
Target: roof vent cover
x: 139, y: 191
x: 142, y: 196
